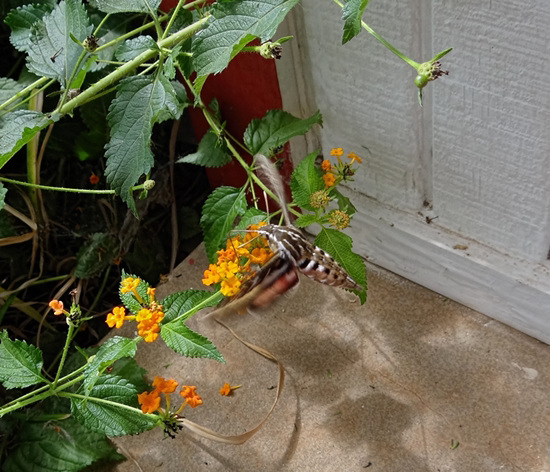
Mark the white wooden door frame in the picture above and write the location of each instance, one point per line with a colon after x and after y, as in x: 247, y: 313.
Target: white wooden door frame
x: 509, y: 289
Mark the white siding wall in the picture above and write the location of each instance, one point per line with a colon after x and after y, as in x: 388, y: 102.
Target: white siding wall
x: 478, y: 151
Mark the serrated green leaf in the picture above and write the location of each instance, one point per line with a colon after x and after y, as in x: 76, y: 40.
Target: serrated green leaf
x: 3, y: 193
x: 60, y: 446
x: 305, y: 180
x: 20, y: 363
x: 95, y: 255
x: 21, y: 21
x: 188, y: 343
x: 108, y: 418
x: 17, y: 129
x: 129, y: 369
x: 232, y: 26
x: 210, y: 153
x: 344, y: 203
x: 131, y: 48
x: 252, y: 216
x: 111, y: 350
x: 305, y: 220
x: 352, y: 12
x: 132, y: 113
x: 275, y: 129
x: 175, y: 100
x: 50, y: 37
x: 124, y: 6
x: 338, y: 245
x: 218, y: 214
x: 188, y: 303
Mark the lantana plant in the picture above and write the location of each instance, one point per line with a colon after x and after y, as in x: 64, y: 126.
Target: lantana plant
x: 79, y: 52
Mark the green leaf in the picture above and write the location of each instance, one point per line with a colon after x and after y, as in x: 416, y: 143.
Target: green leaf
x: 129, y: 369
x: 305, y: 220
x: 188, y: 343
x: 20, y: 363
x: 17, y: 129
x: 275, y: 129
x: 219, y: 211
x: 21, y: 20
x: 344, y: 203
x: 50, y: 37
x: 3, y: 193
x: 138, y: 104
x: 113, y: 349
x: 252, y: 216
x: 108, y: 418
x: 211, y: 153
x: 129, y: 299
x: 95, y: 255
x: 232, y: 26
x: 305, y: 180
x: 188, y: 303
x: 338, y: 245
x: 352, y: 12
x: 60, y: 446
x: 123, y: 6
x: 175, y: 100
x: 131, y: 48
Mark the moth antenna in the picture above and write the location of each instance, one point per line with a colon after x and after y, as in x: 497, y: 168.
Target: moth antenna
x: 273, y: 180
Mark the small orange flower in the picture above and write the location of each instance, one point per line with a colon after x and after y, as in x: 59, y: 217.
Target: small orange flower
x: 191, y: 397
x: 211, y: 275
x: 329, y: 179
x: 227, y: 389
x: 230, y: 286
x: 151, y: 292
x: 129, y: 284
x: 337, y: 152
x: 56, y: 306
x: 326, y: 165
x: 164, y: 386
x: 116, y: 318
x: 94, y: 179
x: 354, y: 157
x: 150, y: 402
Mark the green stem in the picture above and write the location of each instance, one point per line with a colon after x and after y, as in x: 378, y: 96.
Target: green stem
x: 119, y: 73
x: 32, y: 153
x: 173, y: 16
x: 66, y: 189
x: 408, y: 60
x: 26, y: 90
x: 104, y: 402
x: 65, y: 351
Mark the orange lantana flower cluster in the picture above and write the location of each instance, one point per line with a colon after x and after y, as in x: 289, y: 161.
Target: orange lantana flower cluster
x: 148, y: 317
x: 236, y: 262
x: 150, y: 401
x: 334, y: 174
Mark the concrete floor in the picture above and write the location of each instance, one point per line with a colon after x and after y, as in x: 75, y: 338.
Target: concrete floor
x: 410, y: 381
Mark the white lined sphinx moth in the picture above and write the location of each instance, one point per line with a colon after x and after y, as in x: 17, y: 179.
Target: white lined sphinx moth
x: 293, y: 253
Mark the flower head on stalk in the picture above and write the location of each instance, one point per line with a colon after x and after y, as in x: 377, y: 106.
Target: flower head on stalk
x: 235, y: 264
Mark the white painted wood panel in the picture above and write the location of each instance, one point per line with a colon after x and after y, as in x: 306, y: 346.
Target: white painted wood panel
x: 479, y: 150
x: 491, y: 118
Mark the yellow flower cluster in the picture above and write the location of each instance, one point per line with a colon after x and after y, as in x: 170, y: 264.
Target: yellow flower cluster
x: 235, y: 262
x: 148, y: 318
x: 341, y: 171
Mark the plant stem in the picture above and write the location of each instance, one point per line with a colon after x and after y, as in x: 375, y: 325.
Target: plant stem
x: 68, y: 340
x: 408, y: 60
x: 66, y: 189
x: 26, y: 90
x: 119, y: 73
